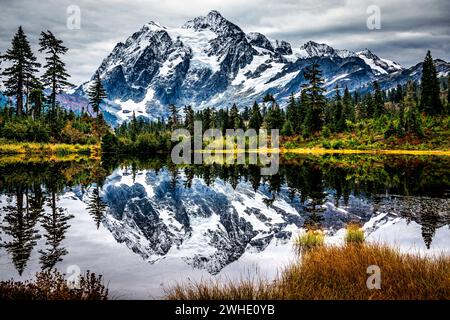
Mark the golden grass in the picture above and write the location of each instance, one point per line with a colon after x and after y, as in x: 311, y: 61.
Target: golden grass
x: 338, y: 272
x: 320, y: 151
x: 48, y: 149
x: 354, y: 234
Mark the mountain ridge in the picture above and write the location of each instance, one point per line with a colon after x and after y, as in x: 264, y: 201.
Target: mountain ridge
x: 210, y: 61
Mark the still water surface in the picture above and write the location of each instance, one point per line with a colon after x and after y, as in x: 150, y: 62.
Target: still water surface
x: 146, y: 223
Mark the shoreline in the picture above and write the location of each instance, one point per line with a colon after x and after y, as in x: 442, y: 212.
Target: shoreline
x: 50, y: 150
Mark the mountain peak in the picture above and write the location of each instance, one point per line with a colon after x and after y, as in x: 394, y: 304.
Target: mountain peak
x: 153, y: 26
x: 315, y: 49
x: 378, y: 65
x: 215, y: 22
x: 367, y: 53
x: 214, y: 13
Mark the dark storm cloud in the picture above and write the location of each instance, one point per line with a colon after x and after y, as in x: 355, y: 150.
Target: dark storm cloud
x: 409, y: 28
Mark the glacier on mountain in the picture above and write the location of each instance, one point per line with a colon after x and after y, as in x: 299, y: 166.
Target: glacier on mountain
x: 211, y: 62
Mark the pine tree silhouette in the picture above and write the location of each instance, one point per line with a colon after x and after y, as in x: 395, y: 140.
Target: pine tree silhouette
x: 19, y: 223
x: 96, y: 207
x: 55, y: 224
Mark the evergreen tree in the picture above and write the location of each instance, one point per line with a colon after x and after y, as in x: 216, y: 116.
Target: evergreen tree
x: 256, y: 120
x: 189, y: 119
x: 368, y: 106
x: 96, y: 94
x: 37, y: 100
x: 316, y: 101
x: 55, y: 75
x: 275, y: 117
x: 378, y: 100
x: 287, y: 129
x: 225, y: 121
x: 302, y: 108
x: 55, y: 225
x: 246, y: 113
x: 235, y: 118
x: 214, y: 119
x: 268, y: 98
x: 339, y: 117
x: 412, y: 119
x: 96, y: 206
x: 174, y: 119
x: 206, y: 119
x: 448, y: 94
x: 430, y: 101
x: 398, y: 96
x: 19, y: 224
x: 348, y: 107
x: 22, y: 70
x: 291, y: 108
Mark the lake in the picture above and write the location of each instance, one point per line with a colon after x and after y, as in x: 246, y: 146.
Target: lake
x: 146, y: 224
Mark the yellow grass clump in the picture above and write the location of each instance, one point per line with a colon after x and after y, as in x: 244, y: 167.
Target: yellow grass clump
x: 309, y: 240
x: 354, y: 234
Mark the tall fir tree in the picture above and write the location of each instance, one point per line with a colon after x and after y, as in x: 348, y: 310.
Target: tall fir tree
x: 368, y: 106
x: 287, y: 129
x: 302, y: 108
x: 412, y: 119
x: 378, y: 100
x: 316, y: 100
x: 339, y: 116
x: 430, y: 101
x: 235, y: 118
x: 256, y: 119
x: 37, y: 100
x: 96, y: 94
x: 291, y: 108
x: 189, y: 119
x: 246, y: 113
x: 96, y: 207
x: 22, y: 69
x: 55, y: 75
x: 55, y: 224
x: 19, y: 224
x: 348, y: 107
x: 275, y: 117
x: 448, y: 95
x: 174, y: 119
x: 206, y: 119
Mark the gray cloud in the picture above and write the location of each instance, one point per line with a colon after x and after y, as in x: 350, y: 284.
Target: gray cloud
x: 409, y: 28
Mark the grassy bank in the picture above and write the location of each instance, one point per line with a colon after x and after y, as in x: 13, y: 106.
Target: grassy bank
x: 336, y: 273
x: 48, y: 149
x: 371, y: 135
x: 52, y: 285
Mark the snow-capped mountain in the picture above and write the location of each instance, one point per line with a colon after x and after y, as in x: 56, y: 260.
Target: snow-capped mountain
x: 209, y: 61
x: 378, y: 65
x: 414, y: 73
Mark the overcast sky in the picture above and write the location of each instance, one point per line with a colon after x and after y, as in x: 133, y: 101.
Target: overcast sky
x: 408, y: 27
